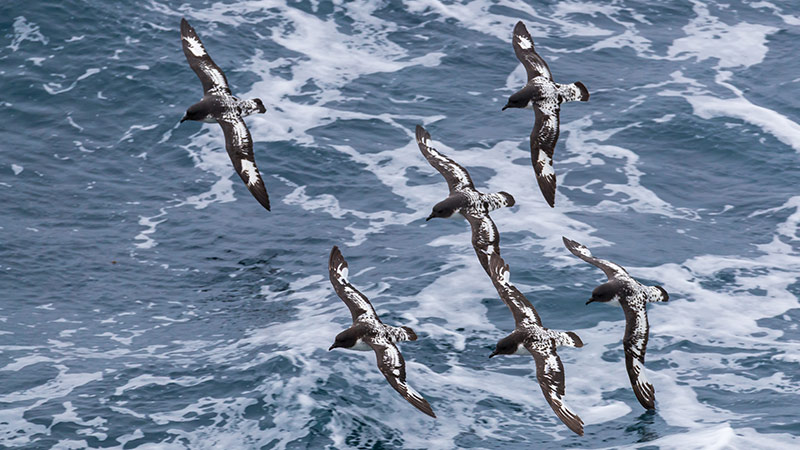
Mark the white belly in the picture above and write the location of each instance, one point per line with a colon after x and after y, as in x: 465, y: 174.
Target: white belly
x: 361, y: 346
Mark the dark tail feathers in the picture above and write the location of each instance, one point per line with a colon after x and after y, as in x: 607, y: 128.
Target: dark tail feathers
x: 584, y: 91
x: 262, y: 109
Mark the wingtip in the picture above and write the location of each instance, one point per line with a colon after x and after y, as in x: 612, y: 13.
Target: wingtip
x: 260, y: 195
x: 425, y: 407
x: 547, y: 187
x: 422, y: 134
x: 570, y: 244
x: 335, y: 255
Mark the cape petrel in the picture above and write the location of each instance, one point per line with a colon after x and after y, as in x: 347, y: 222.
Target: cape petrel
x: 219, y: 105
x: 466, y: 200
x: 633, y: 296
x: 545, y: 97
x: 531, y: 337
x: 369, y: 333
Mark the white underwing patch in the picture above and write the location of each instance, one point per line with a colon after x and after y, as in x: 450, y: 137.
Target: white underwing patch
x: 251, y: 171
x: 194, y: 46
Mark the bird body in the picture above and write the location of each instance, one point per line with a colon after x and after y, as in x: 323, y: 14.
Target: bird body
x: 531, y: 338
x: 220, y: 106
x: 369, y: 333
x: 464, y: 199
x: 545, y: 97
x: 621, y: 289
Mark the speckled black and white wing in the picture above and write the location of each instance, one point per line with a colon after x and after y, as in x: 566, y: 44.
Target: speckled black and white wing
x: 456, y: 176
x: 550, y: 373
x: 240, y: 148
x: 523, y: 48
x: 210, y: 75
x: 359, y: 306
x: 393, y: 367
x: 485, y: 237
x: 522, y: 310
x: 635, y: 343
x: 543, y: 144
x: 610, y: 269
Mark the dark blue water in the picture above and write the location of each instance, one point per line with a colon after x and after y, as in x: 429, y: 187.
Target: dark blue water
x: 148, y: 301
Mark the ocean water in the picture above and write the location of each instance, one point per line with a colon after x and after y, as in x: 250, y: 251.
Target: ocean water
x: 147, y: 301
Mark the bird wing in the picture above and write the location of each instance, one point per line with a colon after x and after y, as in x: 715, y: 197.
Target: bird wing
x: 523, y: 48
x: 522, y: 310
x: 456, y: 176
x: 610, y: 269
x: 356, y: 302
x: 240, y: 148
x: 550, y: 373
x: 485, y: 237
x: 635, y: 343
x: 393, y: 367
x: 209, y: 73
x: 543, y: 144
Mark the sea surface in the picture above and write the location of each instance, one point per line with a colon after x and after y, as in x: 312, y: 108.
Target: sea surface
x: 148, y: 301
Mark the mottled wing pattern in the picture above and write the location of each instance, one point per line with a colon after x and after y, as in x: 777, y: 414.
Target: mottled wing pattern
x: 610, y: 269
x: 485, y: 237
x: 523, y: 48
x: 550, y: 373
x: 393, y: 367
x: 543, y: 143
x: 456, y: 176
x: 522, y: 310
x: 240, y: 148
x: 209, y: 73
x: 356, y: 302
x: 635, y: 344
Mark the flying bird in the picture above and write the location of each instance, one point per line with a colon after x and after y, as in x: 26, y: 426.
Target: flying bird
x: 545, y: 97
x: 530, y: 336
x: 621, y: 289
x: 466, y: 200
x: 369, y: 333
x: 220, y: 106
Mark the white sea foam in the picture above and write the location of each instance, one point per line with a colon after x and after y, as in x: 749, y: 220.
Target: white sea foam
x: 717, y: 318
x: 55, y: 88
x: 25, y: 31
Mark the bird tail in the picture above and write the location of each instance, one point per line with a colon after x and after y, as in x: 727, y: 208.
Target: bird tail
x: 569, y: 339
x: 658, y: 294
x: 573, y: 92
x: 498, y: 200
x: 409, y: 334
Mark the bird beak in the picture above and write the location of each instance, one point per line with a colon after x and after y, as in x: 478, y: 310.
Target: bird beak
x: 184, y: 119
x: 493, y: 353
x: 332, y: 347
x: 429, y: 217
x: 591, y: 300
x: 505, y: 107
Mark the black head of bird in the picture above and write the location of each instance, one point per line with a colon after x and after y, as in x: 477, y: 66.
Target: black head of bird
x: 445, y: 208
